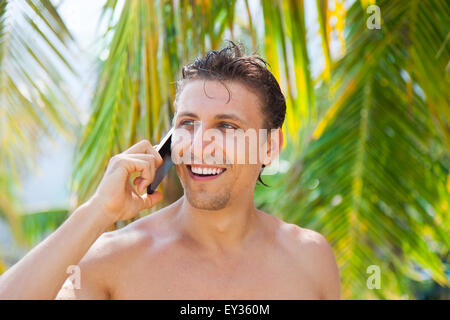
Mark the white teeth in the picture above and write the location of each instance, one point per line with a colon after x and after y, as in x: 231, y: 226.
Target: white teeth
x: 205, y: 171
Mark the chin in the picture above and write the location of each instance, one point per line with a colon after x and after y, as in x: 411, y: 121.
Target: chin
x: 207, y: 201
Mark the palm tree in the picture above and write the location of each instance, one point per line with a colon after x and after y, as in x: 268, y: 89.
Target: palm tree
x: 375, y: 177
x: 34, y: 100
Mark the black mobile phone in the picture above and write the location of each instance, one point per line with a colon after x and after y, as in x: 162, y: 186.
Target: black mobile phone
x: 164, y: 149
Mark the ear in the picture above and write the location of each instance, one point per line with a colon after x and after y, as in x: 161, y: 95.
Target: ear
x: 274, y: 144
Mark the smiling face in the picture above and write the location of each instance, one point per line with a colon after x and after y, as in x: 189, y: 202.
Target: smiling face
x: 222, y: 111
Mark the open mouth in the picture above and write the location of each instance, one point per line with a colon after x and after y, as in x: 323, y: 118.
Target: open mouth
x: 202, y: 173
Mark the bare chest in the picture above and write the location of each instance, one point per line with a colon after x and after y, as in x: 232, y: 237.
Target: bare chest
x: 182, y: 275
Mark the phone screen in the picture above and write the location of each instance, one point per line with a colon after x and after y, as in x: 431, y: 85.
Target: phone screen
x: 164, y: 149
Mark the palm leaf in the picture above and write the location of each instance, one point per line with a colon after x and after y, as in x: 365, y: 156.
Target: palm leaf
x: 37, y: 225
x: 374, y: 181
x: 34, y: 99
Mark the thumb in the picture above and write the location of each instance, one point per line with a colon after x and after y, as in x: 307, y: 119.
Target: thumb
x: 149, y: 200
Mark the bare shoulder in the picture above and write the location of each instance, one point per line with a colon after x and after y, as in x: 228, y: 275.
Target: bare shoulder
x: 311, y: 242
x: 313, y: 254
x: 316, y: 254
x: 297, y: 237
x: 106, y: 257
x: 122, y: 245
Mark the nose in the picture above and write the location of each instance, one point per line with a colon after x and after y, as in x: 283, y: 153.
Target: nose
x: 197, y: 142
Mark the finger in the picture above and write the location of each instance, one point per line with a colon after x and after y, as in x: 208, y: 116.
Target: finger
x: 149, y: 200
x: 143, y: 146
x: 137, y: 181
x: 147, y: 176
x: 146, y: 157
x: 140, y: 184
x: 158, y: 158
x: 130, y: 165
x: 143, y: 156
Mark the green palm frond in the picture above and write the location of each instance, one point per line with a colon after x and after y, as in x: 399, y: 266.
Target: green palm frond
x: 34, y: 100
x: 37, y: 225
x: 285, y: 37
x: 374, y: 180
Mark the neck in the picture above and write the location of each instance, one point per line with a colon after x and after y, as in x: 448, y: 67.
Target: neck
x: 226, y: 229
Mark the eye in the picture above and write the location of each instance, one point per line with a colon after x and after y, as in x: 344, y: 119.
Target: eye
x: 187, y: 122
x: 227, y: 125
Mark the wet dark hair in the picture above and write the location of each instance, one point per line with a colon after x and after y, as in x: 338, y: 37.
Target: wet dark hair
x: 231, y: 64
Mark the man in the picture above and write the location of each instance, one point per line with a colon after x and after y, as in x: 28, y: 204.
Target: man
x: 212, y: 243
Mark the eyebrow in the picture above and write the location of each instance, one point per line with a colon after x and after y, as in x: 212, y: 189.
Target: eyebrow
x: 222, y: 116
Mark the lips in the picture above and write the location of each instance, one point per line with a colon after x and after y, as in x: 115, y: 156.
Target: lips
x: 211, y: 170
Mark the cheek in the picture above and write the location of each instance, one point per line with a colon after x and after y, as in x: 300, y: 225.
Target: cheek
x: 180, y: 172
x: 245, y: 175
x: 181, y: 142
x: 242, y: 151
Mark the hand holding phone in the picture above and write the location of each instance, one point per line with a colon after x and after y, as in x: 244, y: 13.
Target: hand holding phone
x: 115, y: 195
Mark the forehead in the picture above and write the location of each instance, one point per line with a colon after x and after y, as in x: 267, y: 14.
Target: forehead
x: 207, y: 98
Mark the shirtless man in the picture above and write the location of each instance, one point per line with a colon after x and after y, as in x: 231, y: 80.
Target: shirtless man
x: 212, y: 243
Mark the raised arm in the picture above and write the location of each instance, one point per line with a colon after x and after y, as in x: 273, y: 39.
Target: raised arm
x: 41, y: 273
